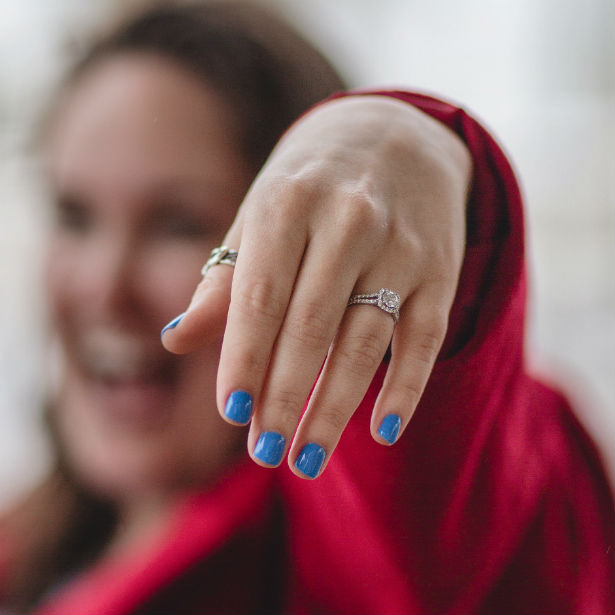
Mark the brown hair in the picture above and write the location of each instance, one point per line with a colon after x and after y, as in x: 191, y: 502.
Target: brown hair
x: 269, y: 75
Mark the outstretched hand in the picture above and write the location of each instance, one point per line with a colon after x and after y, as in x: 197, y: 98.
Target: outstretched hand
x: 362, y: 193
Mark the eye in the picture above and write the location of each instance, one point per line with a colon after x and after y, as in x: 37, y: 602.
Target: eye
x: 178, y: 221
x: 73, y: 215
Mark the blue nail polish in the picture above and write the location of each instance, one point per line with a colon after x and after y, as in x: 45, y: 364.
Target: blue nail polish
x: 270, y: 447
x: 173, y: 323
x: 389, y: 428
x: 310, y: 459
x: 238, y: 407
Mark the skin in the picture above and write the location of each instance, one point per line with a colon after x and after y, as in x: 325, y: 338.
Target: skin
x: 146, y: 177
x: 361, y: 193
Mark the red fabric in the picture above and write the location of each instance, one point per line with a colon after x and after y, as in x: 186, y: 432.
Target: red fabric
x: 493, y: 500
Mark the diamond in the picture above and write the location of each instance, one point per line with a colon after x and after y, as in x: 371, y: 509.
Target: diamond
x: 389, y: 299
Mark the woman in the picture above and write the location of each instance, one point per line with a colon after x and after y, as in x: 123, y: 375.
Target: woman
x: 155, y: 507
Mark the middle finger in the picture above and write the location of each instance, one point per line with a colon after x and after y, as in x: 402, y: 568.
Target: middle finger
x: 316, y: 308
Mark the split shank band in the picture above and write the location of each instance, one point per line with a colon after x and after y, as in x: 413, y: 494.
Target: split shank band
x: 385, y: 299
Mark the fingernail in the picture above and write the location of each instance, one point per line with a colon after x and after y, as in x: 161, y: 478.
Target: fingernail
x: 238, y: 407
x: 310, y: 459
x: 173, y: 323
x: 270, y: 447
x: 389, y: 428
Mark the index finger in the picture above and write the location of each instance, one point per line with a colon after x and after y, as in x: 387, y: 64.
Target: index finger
x: 263, y: 282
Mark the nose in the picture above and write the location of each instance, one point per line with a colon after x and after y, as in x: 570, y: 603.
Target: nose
x: 108, y: 280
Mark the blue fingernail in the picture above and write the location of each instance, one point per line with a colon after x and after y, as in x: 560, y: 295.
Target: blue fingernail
x: 238, y: 407
x: 310, y: 459
x: 270, y: 447
x: 173, y: 323
x: 389, y: 428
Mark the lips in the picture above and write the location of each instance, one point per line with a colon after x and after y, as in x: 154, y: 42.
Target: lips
x: 130, y: 379
x: 107, y: 354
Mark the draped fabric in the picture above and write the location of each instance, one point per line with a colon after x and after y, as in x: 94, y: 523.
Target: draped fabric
x: 493, y: 501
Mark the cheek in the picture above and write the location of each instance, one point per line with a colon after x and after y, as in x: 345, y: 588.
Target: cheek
x: 59, y: 275
x: 73, y: 274
x: 169, y: 275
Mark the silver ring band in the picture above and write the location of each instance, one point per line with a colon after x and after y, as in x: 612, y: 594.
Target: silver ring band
x: 386, y: 299
x: 220, y: 256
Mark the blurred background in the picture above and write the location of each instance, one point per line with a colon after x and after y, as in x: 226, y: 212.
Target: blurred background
x: 541, y: 76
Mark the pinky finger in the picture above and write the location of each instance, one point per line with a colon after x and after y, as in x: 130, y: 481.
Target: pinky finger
x: 416, y: 342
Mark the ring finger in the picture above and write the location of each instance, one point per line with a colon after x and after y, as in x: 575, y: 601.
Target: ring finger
x: 354, y: 357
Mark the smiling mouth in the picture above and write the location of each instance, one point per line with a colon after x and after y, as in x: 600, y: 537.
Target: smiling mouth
x: 131, y: 379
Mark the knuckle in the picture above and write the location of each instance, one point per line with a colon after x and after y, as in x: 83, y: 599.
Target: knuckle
x: 405, y: 241
x: 363, y: 352
x: 361, y: 212
x: 285, y: 213
x: 287, y: 196
x: 444, y: 264
x: 311, y: 327
x: 300, y: 188
x: 287, y: 405
x: 434, y: 328
x: 427, y: 325
x: 261, y: 299
x: 430, y: 343
x: 281, y: 202
x: 334, y: 420
x: 410, y: 391
x: 426, y: 347
x: 250, y: 360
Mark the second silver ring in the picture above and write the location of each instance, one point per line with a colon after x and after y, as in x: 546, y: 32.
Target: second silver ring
x: 385, y: 299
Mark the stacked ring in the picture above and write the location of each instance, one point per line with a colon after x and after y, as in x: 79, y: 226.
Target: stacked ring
x: 385, y: 299
x: 220, y: 256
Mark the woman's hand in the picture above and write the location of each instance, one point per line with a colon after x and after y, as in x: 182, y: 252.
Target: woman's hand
x: 362, y: 193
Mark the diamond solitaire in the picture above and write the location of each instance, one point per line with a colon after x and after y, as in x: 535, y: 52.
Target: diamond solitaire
x: 385, y: 299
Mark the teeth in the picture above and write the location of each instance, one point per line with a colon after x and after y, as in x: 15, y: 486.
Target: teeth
x: 114, y: 355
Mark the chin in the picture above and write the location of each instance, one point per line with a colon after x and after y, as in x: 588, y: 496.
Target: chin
x: 119, y: 469
x: 130, y: 424
x: 122, y: 449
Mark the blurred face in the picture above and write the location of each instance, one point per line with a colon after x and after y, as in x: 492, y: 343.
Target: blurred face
x: 147, y: 177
